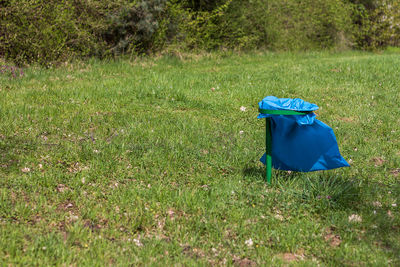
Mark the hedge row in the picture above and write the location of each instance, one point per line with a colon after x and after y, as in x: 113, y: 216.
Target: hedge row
x: 48, y: 31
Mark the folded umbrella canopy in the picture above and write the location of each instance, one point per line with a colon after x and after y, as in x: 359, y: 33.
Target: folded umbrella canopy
x: 299, y: 142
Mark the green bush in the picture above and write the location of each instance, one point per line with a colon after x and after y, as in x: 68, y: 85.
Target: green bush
x: 134, y: 26
x: 50, y: 31
x: 377, y: 23
x: 275, y: 24
x: 43, y: 31
x: 310, y: 24
x: 200, y: 29
x: 56, y: 30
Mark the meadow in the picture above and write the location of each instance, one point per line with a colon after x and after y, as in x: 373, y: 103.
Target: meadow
x: 155, y: 162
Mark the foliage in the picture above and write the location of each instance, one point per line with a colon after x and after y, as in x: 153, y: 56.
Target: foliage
x: 291, y: 24
x: 42, y: 31
x: 200, y: 5
x: 203, y: 29
x: 272, y: 24
x: 58, y: 30
x: 378, y: 23
x: 134, y: 25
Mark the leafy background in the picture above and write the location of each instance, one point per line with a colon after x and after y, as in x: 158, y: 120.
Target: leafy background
x: 54, y: 31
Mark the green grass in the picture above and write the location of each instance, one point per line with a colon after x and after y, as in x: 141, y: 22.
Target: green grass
x: 142, y: 162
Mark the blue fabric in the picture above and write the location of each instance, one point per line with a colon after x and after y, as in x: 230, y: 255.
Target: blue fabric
x: 300, y: 142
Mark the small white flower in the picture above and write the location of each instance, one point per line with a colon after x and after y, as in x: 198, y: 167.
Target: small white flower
x: 389, y: 213
x: 26, y: 169
x: 355, y: 218
x: 73, y: 218
x: 241, y: 132
x: 377, y: 204
x: 137, y: 242
x: 249, y: 242
x: 394, y: 205
x: 242, y: 108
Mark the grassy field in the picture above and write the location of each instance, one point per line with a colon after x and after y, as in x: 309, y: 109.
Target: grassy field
x: 155, y: 162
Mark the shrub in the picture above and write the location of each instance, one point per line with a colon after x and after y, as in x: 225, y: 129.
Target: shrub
x: 42, y: 31
x: 275, y: 24
x: 134, y: 25
x: 56, y: 30
x: 201, y: 29
x: 50, y: 31
x: 377, y: 22
x: 292, y: 24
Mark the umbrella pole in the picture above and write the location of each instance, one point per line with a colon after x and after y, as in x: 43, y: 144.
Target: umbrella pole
x: 268, y: 148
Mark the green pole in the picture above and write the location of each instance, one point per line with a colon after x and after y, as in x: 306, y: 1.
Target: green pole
x: 268, y: 148
x: 268, y: 138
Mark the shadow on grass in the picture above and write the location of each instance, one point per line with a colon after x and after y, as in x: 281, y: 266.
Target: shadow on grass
x: 254, y: 172
x: 328, y: 190
x: 321, y: 190
x: 259, y: 173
